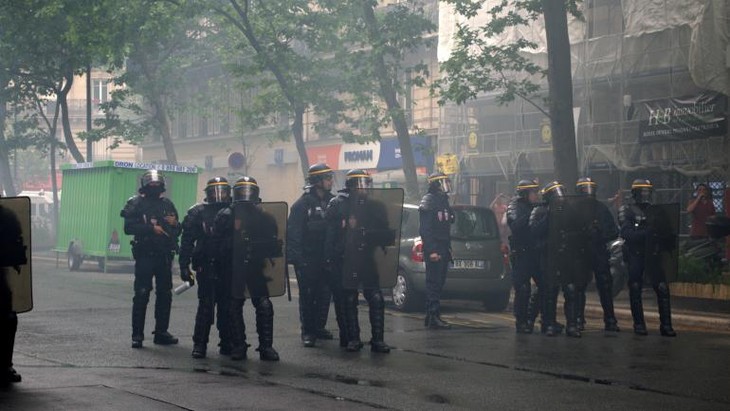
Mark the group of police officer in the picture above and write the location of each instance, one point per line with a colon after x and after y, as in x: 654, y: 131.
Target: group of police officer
x: 228, y: 242
x: 558, y: 240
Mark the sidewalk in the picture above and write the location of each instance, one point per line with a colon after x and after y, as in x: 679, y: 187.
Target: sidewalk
x: 694, y: 313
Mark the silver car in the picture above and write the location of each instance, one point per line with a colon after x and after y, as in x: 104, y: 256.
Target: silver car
x: 479, y: 270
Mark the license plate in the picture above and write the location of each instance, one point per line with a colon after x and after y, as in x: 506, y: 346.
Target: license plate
x: 468, y: 264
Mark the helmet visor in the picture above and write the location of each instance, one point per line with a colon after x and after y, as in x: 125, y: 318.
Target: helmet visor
x: 644, y: 195
x: 245, y: 193
x: 219, y: 193
x: 587, y: 188
x: 361, y: 182
x: 446, y: 185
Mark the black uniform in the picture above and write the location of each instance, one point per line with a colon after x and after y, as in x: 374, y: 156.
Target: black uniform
x: 197, y: 247
x: 306, y: 230
x: 10, y: 239
x: 435, y: 217
x: 547, y: 282
x: 153, y: 256
x: 603, y: 231
x: 338, y: 215
x: 525, y: 257
x: 251, y: 259
x: 642, y: 252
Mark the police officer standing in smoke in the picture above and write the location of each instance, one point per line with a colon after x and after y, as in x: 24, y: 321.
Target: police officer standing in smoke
x: 603, y: 231
x: 642, y: 251
x: 197, y: 247
x: 153, y: 221
x: 522, y: 246
x: 248, y: 273
x: 436, y: 217
x: 305, y: 249
x: 13, y: 249
x: 339, y: 217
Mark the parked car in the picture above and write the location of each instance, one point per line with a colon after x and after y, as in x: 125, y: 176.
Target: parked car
x: 479, y: 271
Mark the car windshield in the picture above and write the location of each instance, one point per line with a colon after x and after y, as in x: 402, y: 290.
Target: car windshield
x: 474, y: 224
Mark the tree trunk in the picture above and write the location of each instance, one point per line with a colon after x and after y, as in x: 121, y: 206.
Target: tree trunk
x: 6, y: 182
x: 561, y: 91
x: 163, y: 126
x: 388, y: 93
x: 62, y: 99
x: 298, y: 131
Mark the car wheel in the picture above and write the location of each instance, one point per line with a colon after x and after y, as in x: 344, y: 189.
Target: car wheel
x: 405, y: 298
x: 74, y: 260
x: 497, y: 302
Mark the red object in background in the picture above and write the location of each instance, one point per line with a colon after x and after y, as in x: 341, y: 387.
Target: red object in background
x: 38, y: 185
x: 329, y: 154
x: 417, y: 251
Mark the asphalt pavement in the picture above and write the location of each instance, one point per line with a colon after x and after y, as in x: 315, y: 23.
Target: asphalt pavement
x: 74, y: 353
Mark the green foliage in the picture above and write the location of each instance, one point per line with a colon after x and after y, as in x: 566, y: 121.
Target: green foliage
x: 478, y: 65
x: 695, y: 270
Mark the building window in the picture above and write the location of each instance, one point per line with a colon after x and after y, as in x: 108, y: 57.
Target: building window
x: 99, y: 92
x: 605, y: 17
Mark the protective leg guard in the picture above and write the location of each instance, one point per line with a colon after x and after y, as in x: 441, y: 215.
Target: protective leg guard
x: 139, y: 312
x: 353, y: 323
x: 665, y: 310
x: 637, y: 308
x: 237, y: 330
x: 265, y: 329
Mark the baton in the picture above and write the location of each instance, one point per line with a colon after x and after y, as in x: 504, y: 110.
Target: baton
x: 288, y: 286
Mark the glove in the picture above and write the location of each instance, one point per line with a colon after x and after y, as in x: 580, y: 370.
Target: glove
x: 186, y: 275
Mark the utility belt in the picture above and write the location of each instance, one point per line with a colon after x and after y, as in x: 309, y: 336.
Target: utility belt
x: 142, y: 248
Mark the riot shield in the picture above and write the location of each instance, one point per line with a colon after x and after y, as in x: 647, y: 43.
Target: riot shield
x: 259, y: 234
x: 662, y: 248
x: 372, y: 239
x: 570, y: 220
x: 15, y: 257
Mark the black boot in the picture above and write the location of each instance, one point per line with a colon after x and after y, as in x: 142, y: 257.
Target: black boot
x: 203, y: 322
x: 8, y: 329
x: 239, y: 347
x: 533, y: 309
x: 324, y: 298
x: 265, y: 329
x: 307, y: 311
x: 520, y: 308
x: 224, y: 329
x: 637, y: 309
x: 665, y: 310
x: 549, y: 326
x: 605, y: 293
x: 341, y: 317
x: 353, y: 323
x: 163, y: 303
x: 139, y: 312
x: 570, y: 307
x: 376, y: 306
x: 581, y: 310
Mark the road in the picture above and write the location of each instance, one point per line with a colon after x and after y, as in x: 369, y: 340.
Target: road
x: 73, y: 351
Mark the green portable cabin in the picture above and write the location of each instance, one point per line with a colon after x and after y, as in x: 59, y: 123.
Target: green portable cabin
x: 90, y: 226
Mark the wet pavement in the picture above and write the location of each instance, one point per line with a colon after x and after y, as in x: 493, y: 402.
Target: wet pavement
x: 73, y: 352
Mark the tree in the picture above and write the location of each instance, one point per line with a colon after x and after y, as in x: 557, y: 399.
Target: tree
x: 480, y: 65
x: 284, y: 53
x: 381, y: 40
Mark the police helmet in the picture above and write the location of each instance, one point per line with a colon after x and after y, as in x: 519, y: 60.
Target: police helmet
x: 524, y: 187
x: 217, y: 190
x: 586, y: 186
x: 152, y: 178
x: 246, y: 190
x: 552, y: 190
x: 358, y: 178
x: 642, y: 190
x: 319, y: 172
x: 439, y: 182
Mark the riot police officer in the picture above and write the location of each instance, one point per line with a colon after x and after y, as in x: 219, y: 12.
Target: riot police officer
x: 436, y: 217
x: 549, y: 285
x: 11, y: 239
x: 305, y: 249
x: 522, y: 248
x: 339, y: 216
x: 197, y: 248
x: 642, y: 246
x: 246, y: 276
x: 153, y: 221
x: 603, y: 231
